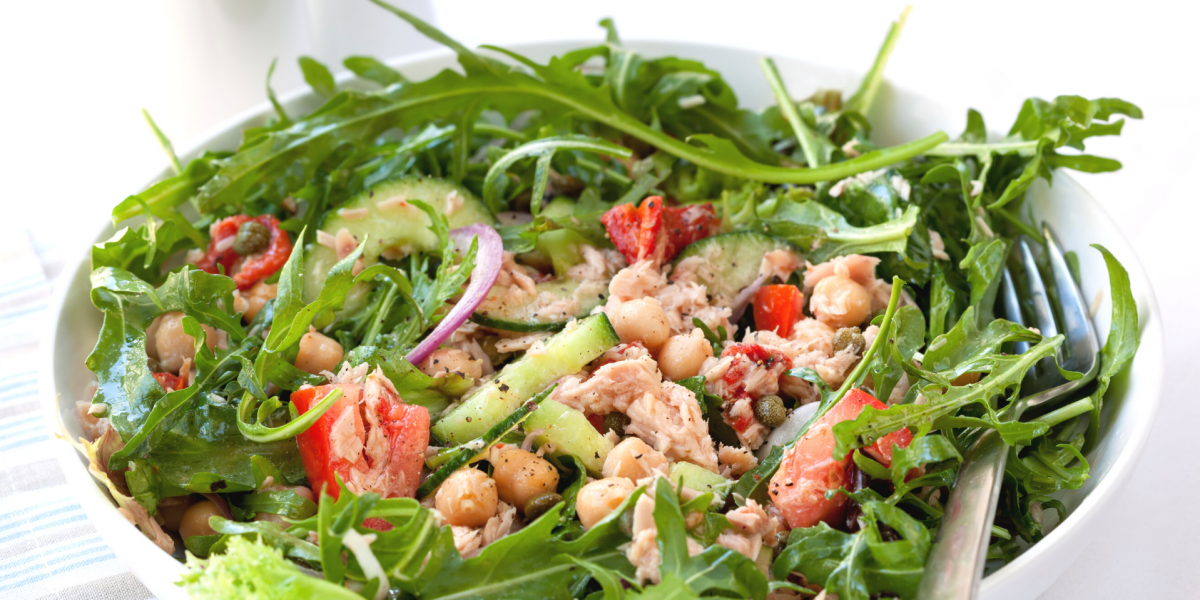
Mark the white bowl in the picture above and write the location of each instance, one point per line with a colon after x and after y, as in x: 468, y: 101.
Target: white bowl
x: 900, y: 116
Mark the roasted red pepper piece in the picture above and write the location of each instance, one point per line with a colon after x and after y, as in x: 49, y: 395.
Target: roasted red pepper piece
x: 637, y: 232
x: 808, y: 469
x: 342, y: 442
x: 256, y: 267
x: 777, y: 308
x: 170, y: 381
x: 686, y: 224
x: 597, y: 421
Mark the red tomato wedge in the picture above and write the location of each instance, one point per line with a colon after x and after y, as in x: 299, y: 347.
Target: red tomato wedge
x: 809, y: 470
x: 638, y: 232
x: 777, y: 308
x: 369, y: 437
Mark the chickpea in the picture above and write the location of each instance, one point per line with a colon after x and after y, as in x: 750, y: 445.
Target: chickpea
x: 683, y: 354
x: 300, y: 490
x: 318, y: 352
x: 195, y: 519
x: 966, y: 379
x: 521, y: 475
x: 254, y: 299
x: 840, y: 302
x: 443, y: 361
x: 467, y: 498
x: 304, y: 492
x: 641, y: 320
x: 633, y: 459
x: 599, y: 498
x: 172, y: 345
x: 171, y: 510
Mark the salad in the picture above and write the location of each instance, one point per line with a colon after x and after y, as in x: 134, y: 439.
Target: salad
x: 580, y: 329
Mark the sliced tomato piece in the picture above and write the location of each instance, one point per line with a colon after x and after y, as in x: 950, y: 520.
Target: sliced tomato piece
x: 656, y: 231
x: 321, y: 463
x: 345, y: 441
x: 809, y: 470
x: 777, y: 308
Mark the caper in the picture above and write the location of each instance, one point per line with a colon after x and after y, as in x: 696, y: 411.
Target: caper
x: 616, y: 421
x: 781, y: 540
x: 539, y: 504
x: 770, y: 411
x: 252, y: 237
x: 849, y: 338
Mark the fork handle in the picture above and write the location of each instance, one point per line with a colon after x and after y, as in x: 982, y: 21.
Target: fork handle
x: 955, y: 565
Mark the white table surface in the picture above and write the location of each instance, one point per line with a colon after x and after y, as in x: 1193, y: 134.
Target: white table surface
x: 77, y: 72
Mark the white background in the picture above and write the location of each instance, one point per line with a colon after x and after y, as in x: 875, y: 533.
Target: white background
x: 72, y: 142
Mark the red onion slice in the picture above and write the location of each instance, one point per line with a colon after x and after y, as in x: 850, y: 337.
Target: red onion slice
x: 487, y: 268
x: 221, y: 505
x: 744, y: 297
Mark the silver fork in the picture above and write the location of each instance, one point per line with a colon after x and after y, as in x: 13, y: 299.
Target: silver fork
x: 955, y: 565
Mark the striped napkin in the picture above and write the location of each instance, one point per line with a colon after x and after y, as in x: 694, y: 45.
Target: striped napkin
x: 47, y: 547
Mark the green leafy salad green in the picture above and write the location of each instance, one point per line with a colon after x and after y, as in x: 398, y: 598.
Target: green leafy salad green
x: 581, y: 329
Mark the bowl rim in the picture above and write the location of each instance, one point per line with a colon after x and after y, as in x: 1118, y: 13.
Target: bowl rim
x: 115, y: 527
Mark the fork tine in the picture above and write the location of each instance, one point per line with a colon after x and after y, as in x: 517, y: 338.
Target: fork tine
x: 1044, y: 374
x: 1012, y: 306
x: 1081, y: 346
x: 1043, y: 313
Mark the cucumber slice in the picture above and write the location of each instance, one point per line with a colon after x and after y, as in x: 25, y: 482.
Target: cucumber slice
x: 735, y: 258
x: 571, y: 433
x: 557, y: 301
x: 396, y: 225
x: 698, y: 478
x: 565, y: 353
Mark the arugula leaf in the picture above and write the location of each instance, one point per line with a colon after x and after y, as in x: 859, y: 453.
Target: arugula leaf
x: 210, y: 371
x: 864, y: 97
x: 264, y: 532
x: 164, y: 142
x: 808, y: 139
x: 354, y: 117
x: 172, y: 191
x: 858, y: 565
x: 966, y: 344
x: 141, y: 250
x: 1122, y: 342
x: 984, y: 265
x: 318, y: 76
x: 543, y: 149
x: 905, y: 337
x: 942, y: 403
x: 372, y: 70
x: 1041, y: 128
x: 824, y: 233
x: 716, y: 569
x: 125, y: 383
